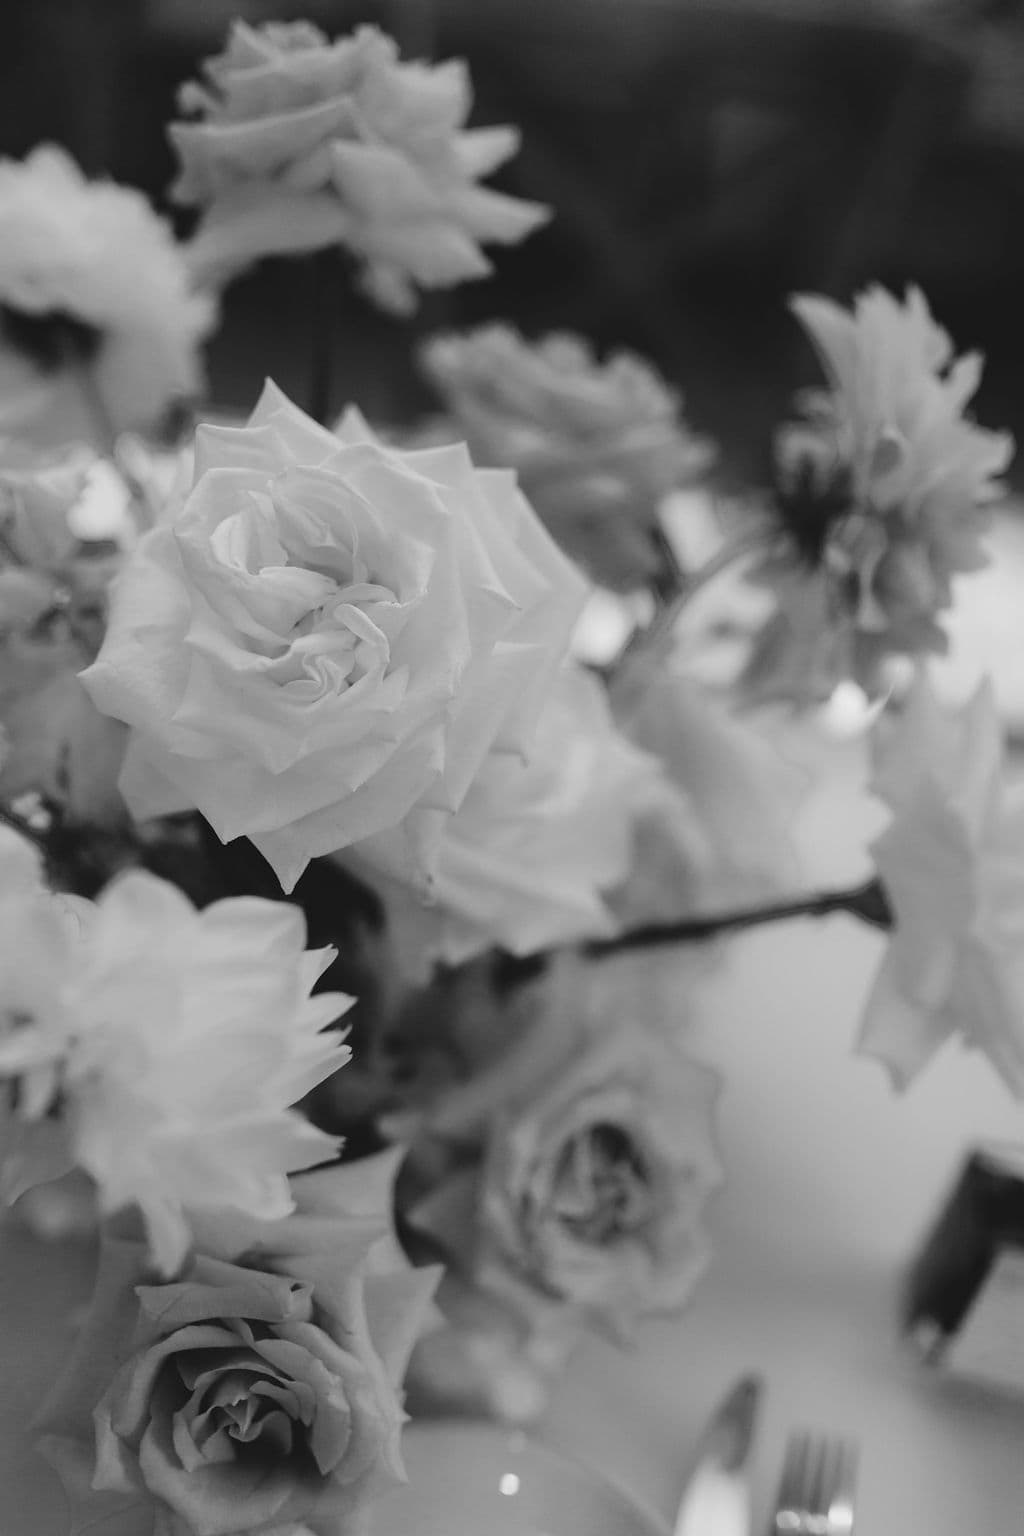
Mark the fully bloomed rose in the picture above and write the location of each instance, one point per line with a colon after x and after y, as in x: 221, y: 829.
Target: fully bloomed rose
x: 299, y: 143
x: 596, y: 446
x: 569, y: 1179
x: 330, y: 638
x: 258, y: 1393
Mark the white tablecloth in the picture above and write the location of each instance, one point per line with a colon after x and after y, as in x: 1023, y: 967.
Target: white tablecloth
x: 831, y: 1183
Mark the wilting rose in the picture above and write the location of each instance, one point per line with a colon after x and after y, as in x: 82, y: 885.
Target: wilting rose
x: 596, y: 446
x: 330, y: 638
x: 532, y: 854
x: 299, y: 143
x: 952, y: 862
x: 259, y: 1393
x: 89, y: 266
x: 569, y: 1179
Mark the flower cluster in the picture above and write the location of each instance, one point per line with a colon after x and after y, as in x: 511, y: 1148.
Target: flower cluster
x: 308, y: 740
x: 596, y: 446
x: 299, y: 143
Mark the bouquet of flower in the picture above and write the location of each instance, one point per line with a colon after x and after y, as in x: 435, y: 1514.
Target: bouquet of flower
x: 345, y: 907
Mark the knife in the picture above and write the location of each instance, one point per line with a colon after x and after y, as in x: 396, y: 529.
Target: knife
x: 716, y: 1498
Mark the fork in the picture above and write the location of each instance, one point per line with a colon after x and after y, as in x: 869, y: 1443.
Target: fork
x: 816, y: 1490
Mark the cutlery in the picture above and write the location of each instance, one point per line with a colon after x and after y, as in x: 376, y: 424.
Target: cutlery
x: 816, y: 1490
x: 716, y: 1498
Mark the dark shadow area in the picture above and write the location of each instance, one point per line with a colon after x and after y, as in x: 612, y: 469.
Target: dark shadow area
x: 704, y: 158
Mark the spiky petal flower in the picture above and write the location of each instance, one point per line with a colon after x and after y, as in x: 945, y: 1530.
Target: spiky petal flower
x: 171, y: 1043
x: 884, y: 489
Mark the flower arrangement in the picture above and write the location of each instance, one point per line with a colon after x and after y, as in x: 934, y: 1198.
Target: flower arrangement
x: 345, y: 909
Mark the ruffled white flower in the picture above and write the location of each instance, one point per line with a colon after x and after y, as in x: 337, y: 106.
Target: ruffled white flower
x: 95, y: 255
x: 952, y: 862
x: 330, y: 639
x: 300, y: 143
x: 596, y: 445
x: 172, y: 1043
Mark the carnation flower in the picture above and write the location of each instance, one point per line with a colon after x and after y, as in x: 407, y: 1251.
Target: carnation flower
x: 596, y: 446
x: 171, y: 1043
x: 952, y: 865
x: 569, y: 1178
x: 527, y: 861
x: 299, y: 143
x: 90, y: 275
x: 258, y: 1392
x: 883, y: 490
x: 330, y: 638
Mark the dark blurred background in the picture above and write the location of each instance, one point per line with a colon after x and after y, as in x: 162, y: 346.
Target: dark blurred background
x: 704, y: 158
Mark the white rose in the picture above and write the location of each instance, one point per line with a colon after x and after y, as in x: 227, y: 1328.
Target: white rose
x: 330, y: 639
x: 299, y: 143
x: 596, y: 445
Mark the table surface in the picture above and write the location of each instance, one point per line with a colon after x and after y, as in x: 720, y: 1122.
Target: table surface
x: 831, y: 1182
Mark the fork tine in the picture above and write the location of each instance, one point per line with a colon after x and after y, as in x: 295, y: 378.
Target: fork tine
x: 789, y: 1501
x: 817, y: 1471
x: 841, y: 1493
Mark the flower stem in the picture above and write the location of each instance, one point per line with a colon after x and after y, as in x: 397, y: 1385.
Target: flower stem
x: 654, y: 643
x: 868, y: 902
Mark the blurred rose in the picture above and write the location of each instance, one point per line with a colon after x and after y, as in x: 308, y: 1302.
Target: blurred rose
x: 569, y: 1178
x: 952, y: 862
x: 527, y: 861
x: 883, y: 487
x: 596, y: 446
x: 300, y: 143
x: 259, y: 1393
x: 91, y: 277
x: 330, y: 638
